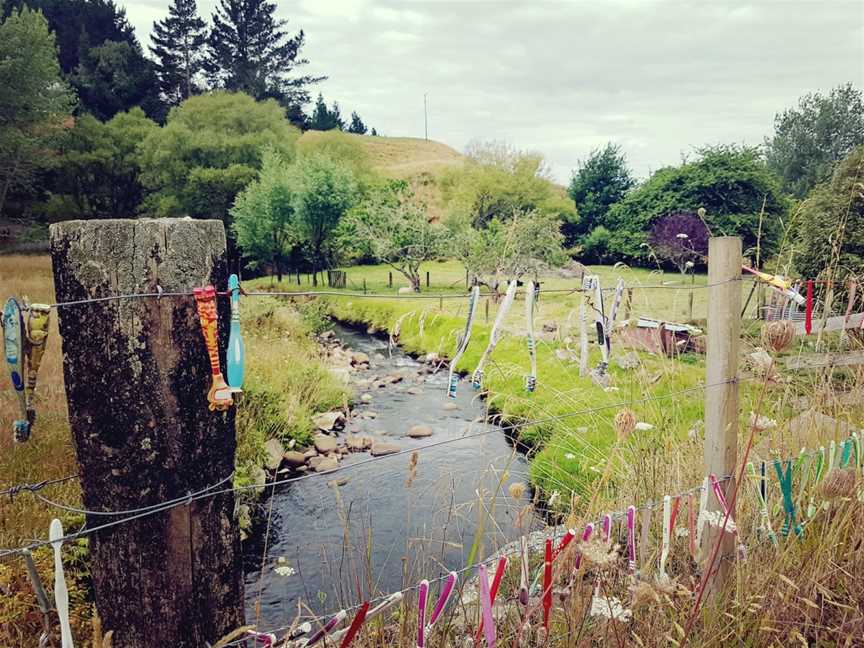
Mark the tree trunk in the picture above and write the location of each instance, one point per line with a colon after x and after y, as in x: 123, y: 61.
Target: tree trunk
x: 137, y: 375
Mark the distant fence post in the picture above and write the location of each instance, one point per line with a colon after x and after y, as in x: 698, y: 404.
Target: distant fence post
x: 137, y: 375
x: 389, y: 279
x: 427, y: 278
x: 721, y: 392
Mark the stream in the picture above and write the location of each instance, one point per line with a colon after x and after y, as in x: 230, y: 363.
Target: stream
x: 383, y: 525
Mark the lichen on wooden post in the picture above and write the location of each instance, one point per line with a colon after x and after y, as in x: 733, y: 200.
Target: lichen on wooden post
x: 137, y: 375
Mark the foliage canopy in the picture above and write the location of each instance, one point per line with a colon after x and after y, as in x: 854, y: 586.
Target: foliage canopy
x: 209, y: 150
x: 498, y: 182
x: 731, y: 183
x: 831, y: 223
x: 812, y: 138
x: 34, y: 102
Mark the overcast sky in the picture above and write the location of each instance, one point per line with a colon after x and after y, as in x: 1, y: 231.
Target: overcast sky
x: 562, y: 78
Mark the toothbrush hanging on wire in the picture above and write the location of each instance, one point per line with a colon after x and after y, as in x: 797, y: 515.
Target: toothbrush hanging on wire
x: 495, y: 335
x: 13, y: 347
x: 235, y: 356
x: 531, y: 291
x: 453, y: 378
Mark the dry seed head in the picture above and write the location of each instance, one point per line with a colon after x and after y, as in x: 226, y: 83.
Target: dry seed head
x: 643, y: 594
x: 598, y: 554
x: 625, y: 423
x: 778, y: 335
x: 838, y: 483
x: 517, y: 490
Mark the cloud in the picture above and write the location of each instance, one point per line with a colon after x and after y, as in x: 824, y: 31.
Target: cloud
x: 660, y: 78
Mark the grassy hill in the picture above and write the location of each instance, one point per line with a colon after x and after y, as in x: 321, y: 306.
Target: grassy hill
x: 420, y: 162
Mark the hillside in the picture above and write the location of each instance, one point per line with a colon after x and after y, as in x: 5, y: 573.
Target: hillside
x: 421, y: 162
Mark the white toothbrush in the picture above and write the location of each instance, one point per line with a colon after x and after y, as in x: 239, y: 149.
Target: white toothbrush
x: 61, y: 592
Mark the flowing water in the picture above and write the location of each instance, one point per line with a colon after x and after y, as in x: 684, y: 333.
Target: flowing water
x: 383, y: 525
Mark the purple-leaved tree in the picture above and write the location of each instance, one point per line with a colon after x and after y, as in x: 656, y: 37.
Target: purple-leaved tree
x: 680, y: 238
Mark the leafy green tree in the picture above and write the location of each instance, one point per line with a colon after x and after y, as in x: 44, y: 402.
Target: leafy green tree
x: 393, y: 227
x: 208, y: 151
x: 498, y: 182
x: 178, y: 43
x: 35, y: 103
x: 830, y: 231
x: 357, y: 126
x: 263, y: 214
x: 80, y: 24
x: 598, y: 183
x: 324, y: 118
x: 731, y: 183
x: 325, y: 191
x: 811, y: 139
x: 114, y: 77
x: 99, y: 164
x: 248, y: 50
x: 523, y: 243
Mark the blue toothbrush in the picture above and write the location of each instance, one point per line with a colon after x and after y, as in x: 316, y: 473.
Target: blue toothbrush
x: 235, y: 339
x: 13, y: 348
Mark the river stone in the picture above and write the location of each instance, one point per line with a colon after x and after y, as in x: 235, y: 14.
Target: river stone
x: 450, y: 407
x: 420, y: 431
x: 366, y: 398
x: 314, y: 461
x: 325, y: 444
x: 328, y: 420
x: 414, y: 391
x: 369, y: 414
x: 327, y: 464
x: 431, y: 358
x: 274, y: 453
x: 294, y: 459
x: 381, y: 448
x: 359, y: 358
x: 392, y: 379
x: 311, y: 452
x: 358, y: 442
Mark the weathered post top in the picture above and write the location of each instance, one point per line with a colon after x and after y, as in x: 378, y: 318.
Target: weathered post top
x: 137, y: 374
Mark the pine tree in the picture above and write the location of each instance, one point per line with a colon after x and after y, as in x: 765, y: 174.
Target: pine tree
x: 249, y: 51
x: 374, y: 133
x: 178, y: 42
x: 324, y: 118
x: 357, y: 125
x: 336, y: 116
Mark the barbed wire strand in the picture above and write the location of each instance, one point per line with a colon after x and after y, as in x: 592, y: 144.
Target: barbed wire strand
x: 335, y: 293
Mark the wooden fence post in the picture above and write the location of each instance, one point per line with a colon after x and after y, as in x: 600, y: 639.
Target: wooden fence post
x: 389, y: 279
x: 721, y: 392
x: 427, y: 278
x: 137, y: 375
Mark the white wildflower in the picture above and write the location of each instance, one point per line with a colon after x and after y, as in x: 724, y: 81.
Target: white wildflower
x: 761, y: 423
x: 715, y: 519
x: 554, y: 498
x: 610, y: 608
x: 642, y: 426
x: 569, y: 455
x: 283, y: 568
